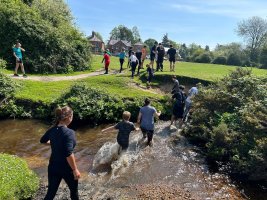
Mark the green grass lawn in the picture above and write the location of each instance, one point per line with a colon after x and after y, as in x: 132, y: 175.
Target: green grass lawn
x: 119, y: 84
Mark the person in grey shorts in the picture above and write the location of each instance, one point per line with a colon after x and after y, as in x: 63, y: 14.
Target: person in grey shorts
x: 146, y: 120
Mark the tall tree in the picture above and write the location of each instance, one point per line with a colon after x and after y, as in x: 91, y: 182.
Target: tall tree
x: 254, y: 31
x: 150, y: 42
x: 121, y: 32
x: 165, y: 40
x: 136, y: 35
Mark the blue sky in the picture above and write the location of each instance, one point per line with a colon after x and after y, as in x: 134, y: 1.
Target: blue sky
x: 204, y: 22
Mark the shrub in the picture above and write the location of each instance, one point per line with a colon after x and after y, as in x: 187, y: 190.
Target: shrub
x: 234, y: 59
x: 203, y: 58
x: 229, y: 118
x: 17, y: 181
x: 220, y: 60
x: 46, y: 31
x: 7, y: 86
x: 2, y: 64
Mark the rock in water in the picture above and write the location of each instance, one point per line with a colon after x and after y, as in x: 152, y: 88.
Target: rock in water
x: 106, y: 154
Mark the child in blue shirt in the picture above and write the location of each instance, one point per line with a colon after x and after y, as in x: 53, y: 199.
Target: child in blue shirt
x: 122, y: 57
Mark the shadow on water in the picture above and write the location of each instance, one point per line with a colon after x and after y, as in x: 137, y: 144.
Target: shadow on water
x: 172, y: 161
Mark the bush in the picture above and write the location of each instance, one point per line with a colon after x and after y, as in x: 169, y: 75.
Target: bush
x: 220, y: 60
x: 2, y: 64
x: 46, y: 31
x: 203, y: 58
x: 17, y: 181
x: 7, y: 86
x: 229, y: 118
x: 234, y: 59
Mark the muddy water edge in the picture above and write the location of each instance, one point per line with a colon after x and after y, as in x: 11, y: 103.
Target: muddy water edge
x: 171, y: 169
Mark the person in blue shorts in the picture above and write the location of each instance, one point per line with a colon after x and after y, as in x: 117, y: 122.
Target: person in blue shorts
x: 146, y: 120
x: 17, y: 52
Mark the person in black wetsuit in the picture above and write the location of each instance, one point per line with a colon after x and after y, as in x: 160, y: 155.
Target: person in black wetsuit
x: 125, y: 127
x: 62, y: 164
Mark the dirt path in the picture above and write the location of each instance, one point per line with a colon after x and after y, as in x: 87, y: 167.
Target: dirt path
x: 61, y: 78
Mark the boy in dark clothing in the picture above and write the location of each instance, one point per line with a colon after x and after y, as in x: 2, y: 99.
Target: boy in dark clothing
x: 150, y: 75
x: 171, y: 52
x: 138, y: 55
x: 161, y: 53
x: 129, y: 55
x: 153, y: 54
x: 125, y: 127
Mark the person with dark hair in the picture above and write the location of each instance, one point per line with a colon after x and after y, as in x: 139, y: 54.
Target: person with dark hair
x: 149, y: 75
x: 178, y: 107
x: 146, y: 120
x: 17, y: 52
x: 139, y: 57
x: 125, y: 127
x: 134, y: 62
x: 129, y: 55
x: 107, y: 61
x: 160, y: 59
x: 175, y: 87
x: 172, y: 52
x: 153, y: 52
x: 122, y: 57
x: 62, y: 164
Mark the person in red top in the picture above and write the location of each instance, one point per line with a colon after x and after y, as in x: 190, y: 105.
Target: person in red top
x: 107, y: 61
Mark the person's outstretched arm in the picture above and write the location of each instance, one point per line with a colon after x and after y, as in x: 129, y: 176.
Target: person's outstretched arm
x: 139, y: 118
x: 22, y: 49
x: 112, y: 128
x: 157, y: 114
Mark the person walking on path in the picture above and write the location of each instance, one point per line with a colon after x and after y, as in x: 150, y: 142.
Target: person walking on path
x: 62, y: 164
x: 17, y: 52
x: 129, y: 55
x: 139, y: 57
x: 153, y: 52
x: 171, y: 53
x: 133, y: 62
x: 161, y: 54
x: 144, y: 54
x: 122, y: 57
x: 146, y: 120
x: 125, y: 127
x: 107, y: 61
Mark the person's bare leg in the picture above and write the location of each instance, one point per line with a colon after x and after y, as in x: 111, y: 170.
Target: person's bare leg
x: 170, y: 66
x: 16, y: 68
x: 180, y: 123
x: 22, y: 68
x: 172, y: 119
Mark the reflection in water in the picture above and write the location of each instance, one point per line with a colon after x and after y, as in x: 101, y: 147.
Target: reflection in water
x: 170, y: 161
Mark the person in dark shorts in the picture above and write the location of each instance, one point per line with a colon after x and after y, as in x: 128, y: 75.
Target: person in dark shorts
x: 153, y: 54
x: 62, y: 164
x: 150, y: 75
x: 178, y: 107
x: 129, y: 55
x: 171, y: 53
x: 161, y: 54
x: 139, y: 57
x: 146, y: 120
x: 17, y: 53
x: 122, y: 57
x: 125, y: 127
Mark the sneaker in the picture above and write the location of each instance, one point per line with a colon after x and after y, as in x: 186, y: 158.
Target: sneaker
x: 16, y: 75
x: 25, y: 76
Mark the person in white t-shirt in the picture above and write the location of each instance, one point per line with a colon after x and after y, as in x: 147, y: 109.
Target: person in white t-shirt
x: 188, y: 102
x: 133, y: 62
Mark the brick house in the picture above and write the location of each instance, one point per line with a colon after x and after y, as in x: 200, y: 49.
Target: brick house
x: 97, y: 45
x: 115, y: 46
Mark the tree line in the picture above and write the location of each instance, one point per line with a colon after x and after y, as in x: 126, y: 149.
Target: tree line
x: 251, y: 53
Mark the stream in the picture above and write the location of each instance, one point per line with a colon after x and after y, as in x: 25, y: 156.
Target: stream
x: 170, y: 169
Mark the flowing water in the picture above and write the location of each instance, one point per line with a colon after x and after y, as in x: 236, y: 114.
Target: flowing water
x: 171, y: 162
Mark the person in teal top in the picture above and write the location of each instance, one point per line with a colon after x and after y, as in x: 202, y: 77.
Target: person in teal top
x: 122, y: 57
x: 17, y: 52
